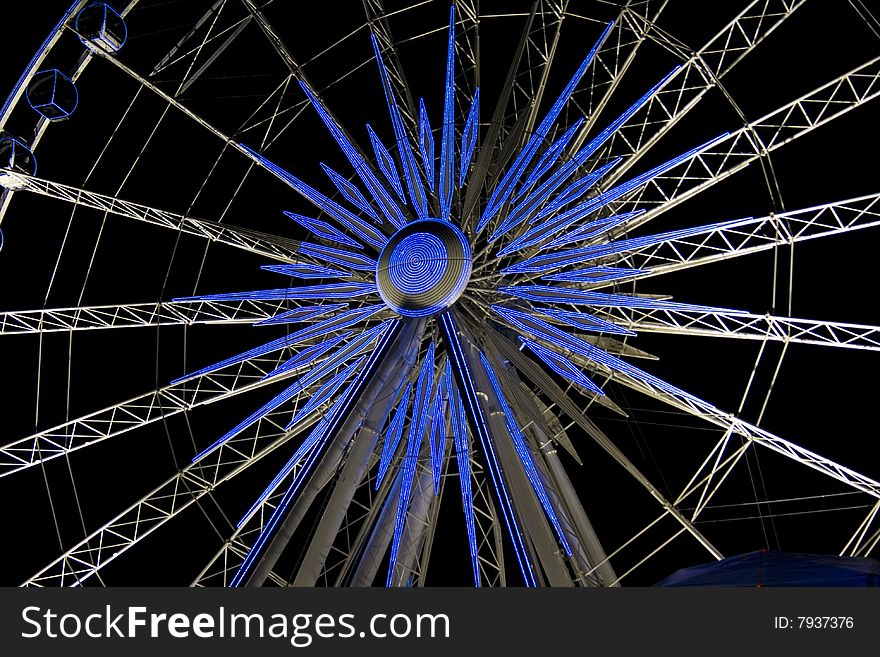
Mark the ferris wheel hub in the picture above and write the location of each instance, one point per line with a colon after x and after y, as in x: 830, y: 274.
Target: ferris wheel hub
x: 424, y: 268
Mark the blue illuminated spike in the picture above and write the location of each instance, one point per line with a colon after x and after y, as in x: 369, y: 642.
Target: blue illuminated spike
x: 437, y: 439
x: 549, y: 158
x: 387, y: 205
x: 505, y: 187
x: 327, y: 390
x: 576, y: 189
x: 351, y: 193
x: 308, y: 356
x: 338, y: 256
x: 534, y: 200
x: 328, y: 291
x: 323, y: 229
x: 562, y: 366
x: 470, y: 396
x: 542, y: 232
x: 585, y: 321
x: 462, y: 455
x: 595, y: 274
x: 346, y: 219
x: 302, y: 314
x: 393, y: 434
x: 623, y: 246
x: 305, y: 271
x: 546, y: 262
x: 426, y: 144
x: 386, y: 163
x: 601, y: 226
x: 309, y: 456
x: 525, y: 456
x: 559, y: 339
x: 340, y: 321
x: 549, y: 294
x: 596, y: 143
x: 302, y: 452
x: 334, y: 323
x: 417, y: 427
x: 285, y: 396
x: 319, y: 438
x: 350, y: 350
x: 404, y: 149
x: 469, y: 137
x: 447, y: 145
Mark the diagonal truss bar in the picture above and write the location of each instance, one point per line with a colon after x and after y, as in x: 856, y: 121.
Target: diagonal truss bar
x: 728, y: 421
x: 698, y: 75
x: 162, y: 313
x: 142, y: 410
x: 653, y: 255
x: 262, y: 244
x: 753, y: 141
x: 163, y: 503
x: 718, y: 323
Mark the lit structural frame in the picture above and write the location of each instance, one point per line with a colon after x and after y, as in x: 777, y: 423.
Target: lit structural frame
x: 432, y: 300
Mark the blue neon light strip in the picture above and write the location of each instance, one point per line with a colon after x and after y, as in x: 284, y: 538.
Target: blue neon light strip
x: 302, y: 314
x: 404, y: 149
x: 534, y: 200
x: 326, y: 391
x: 386, y: 163
x: 585, y: 321
x: 302, y: 270
x: 426, y: 144
x: 549, y: 294
x: 562, y: 366
x: 462, y: 455
x: 633, y: 244
x: 576, y: 190
x: 595, y: 274
x: 542, y: 232
x: 505, y: 187
x: 347, y: 220
x: 351, y: 193
x: 350, y: 350
x: 335, y: 323
x: 525, y: 456
x: 342, y: 257
x: 328, y: 291
x: 469, y: 137
x: 540, y: 330
x: 393, y: 434
x: 447, y: 144
x: 459, y: 361
x: 302, y: 451
x: 591, y: 229
x: 325, y: 429
x: 323, y: 229
x: 388, y: 207
x: 320, y: 435
x: 546, y: 262
x: 549, y: 158
x: 437, y: 439
x: 307, y: 356
x: 417, y: 427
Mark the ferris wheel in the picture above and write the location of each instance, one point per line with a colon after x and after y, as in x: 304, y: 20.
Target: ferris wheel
x: 504, y: 288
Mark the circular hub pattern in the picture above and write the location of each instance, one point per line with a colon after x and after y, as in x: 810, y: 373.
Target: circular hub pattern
x: 424, y: 268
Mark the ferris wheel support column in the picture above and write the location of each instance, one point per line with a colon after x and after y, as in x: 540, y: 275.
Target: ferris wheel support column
x: 534, y: 522
x: 389, y: 364
x: 356, y: 465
